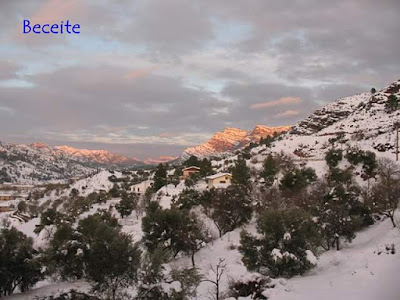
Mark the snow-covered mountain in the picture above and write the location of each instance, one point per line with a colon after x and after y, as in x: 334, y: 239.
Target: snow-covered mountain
x: 356, y: 121
x: 231, y: 139
x: 98, y: 156
x: 38, y: 164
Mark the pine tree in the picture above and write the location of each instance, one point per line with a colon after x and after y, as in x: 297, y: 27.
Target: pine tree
x: 285, y: 242
x: 241, y: 173
x: 270, y: 170
x: 205, y: 167
x: 19, y: 265
x: 127, y: 204
x: 392, y: 104
x: 160, y: 177
x: 192, y: 161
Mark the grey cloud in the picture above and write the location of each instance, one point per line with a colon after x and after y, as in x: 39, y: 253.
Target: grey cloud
x: 320, y: 51
x: 8, y: 70
x: 74, y: 98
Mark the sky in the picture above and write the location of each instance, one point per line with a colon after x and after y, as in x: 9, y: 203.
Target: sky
x: 152, y: 77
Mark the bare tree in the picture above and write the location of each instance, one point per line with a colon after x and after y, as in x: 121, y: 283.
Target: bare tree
x: 218, y: 271
x: 385, y: 194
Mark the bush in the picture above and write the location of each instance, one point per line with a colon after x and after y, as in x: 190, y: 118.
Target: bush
x: 354, y: 156
x: 285, y: 246
x: 333, y: 157
x: 392, y: 104
x: 295, y: 180
x: 253, y: 287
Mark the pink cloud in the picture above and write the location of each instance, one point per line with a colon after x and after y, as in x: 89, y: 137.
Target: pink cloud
x: 288, y: 113
x: 139, y: 73
x: 281, y: 101
x: 57, y: 10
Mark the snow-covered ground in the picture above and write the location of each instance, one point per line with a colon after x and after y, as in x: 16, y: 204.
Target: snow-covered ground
x: 363, y: 270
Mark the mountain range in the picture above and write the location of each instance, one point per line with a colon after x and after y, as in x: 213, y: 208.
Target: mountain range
x: 361, y: 120
x: 231, y: 139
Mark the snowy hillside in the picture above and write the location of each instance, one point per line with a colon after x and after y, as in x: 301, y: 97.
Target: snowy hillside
x: 32, y: 164
x: 357, y: 121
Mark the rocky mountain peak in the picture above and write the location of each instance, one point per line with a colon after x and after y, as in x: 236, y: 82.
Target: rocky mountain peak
x: 231, y: 139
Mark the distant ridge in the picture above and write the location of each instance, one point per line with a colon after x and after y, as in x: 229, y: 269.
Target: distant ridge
x: 230, y: 139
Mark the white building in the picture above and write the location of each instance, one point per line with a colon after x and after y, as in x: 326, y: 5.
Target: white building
x: 220, y: 180
x: 140, y: 188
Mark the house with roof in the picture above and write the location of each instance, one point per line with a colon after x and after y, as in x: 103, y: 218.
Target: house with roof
x: 219, y: 180
x: 189, y: 171
x: 140, y: 188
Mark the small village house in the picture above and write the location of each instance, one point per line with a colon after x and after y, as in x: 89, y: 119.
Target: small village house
x: 220, y: 180
x: 189, y: 171
x: 140, y: 188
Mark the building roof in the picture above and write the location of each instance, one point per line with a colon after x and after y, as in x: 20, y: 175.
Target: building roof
x: 191, y: 167
x: 218, y: 175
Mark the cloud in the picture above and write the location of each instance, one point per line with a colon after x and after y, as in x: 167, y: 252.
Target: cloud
x: 281, y: 101
x: 287, y: 113
x: 8, y: 70
x: 52, y: 11
x: 139, y: 73
x: 146, y: 67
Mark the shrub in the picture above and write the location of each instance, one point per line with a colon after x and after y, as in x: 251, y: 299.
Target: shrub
x: 392, y: 104
x: 333, y: 157
x: 295, y: 180
x: 354, y: 156
x: 285, y: 246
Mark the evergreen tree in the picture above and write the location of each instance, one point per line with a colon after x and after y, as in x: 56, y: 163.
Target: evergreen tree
x: 127, y: 204
x: 187, y: 199
x: 370, y: 164
x: 333, y: 157
x: 97, y: 251
x: 270, y: 170
x: 192, y: 161
x: 160, y: 177
x: 172, y: 229
x: 241, y: 173
x: 230, y: 208
x: 286, y: 242
x: 333, y: 208
x: 392, y: 104
x: 295, y: 180
x: 19, y: 263
x: 205, y: 168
